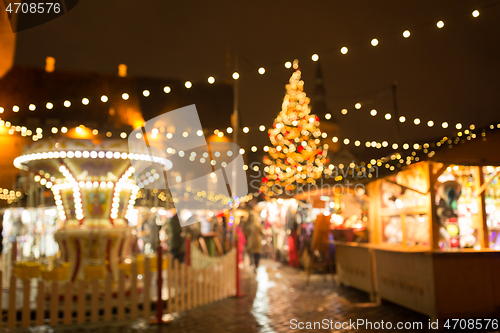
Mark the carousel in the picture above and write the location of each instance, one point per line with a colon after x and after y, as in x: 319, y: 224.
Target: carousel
x: 95, y: 194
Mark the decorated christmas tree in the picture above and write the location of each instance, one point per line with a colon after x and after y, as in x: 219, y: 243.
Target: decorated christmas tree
x: 296, y: 156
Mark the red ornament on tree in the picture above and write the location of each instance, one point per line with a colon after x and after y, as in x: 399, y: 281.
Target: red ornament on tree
x: 300, y: 148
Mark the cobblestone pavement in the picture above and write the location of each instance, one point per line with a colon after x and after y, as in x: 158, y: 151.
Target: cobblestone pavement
x: 273, y: 297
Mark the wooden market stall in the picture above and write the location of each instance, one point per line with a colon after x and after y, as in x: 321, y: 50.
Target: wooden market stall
x: 433, y: 230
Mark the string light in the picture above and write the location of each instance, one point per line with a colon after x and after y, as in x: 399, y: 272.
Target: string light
x: 444, y: 124
x: 167, y: 89
x: 374, y: 42
x: 288, y: 64
x: 315, y: 57
x: 246, y: 129
x: 402, y: 119
x: 440, y: 24
x: 15, y: 108
x: 430, y: 123
x: 211, y: 80
x: 328, y: 116
x: 475, y: 13
x: 406, y: 33
x: 67, y: 104
x: 262, y: 70
x: 145, y: 93
x: 229, y: 130
x: 104, y: 98
x: 49, y: 105
x: 343, y: 111
x: 85, y: 101
x: 416, y: 121
x: 344, y: 50
x: 458, y: 126
x: 388, y: 116
x: 373, y: 112
x: 357, y: 106
x: 236, y: 75
x: 188, y: 84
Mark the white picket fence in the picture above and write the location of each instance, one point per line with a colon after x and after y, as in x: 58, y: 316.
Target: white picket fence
x: 206, y: 280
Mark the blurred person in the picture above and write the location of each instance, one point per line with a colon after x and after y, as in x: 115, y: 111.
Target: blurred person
x: 255, y: 233
x: 176, y: 241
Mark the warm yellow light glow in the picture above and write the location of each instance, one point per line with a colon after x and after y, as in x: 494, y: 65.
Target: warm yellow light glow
x: 262, y: 70
x: 394, y: 146
x: 388, y: 116
x: 315, y: 57
x: 357, y: 143
x: 373, y: 112
x: 229, y: 130
x: 346, y: 141
x: 125, y: 96
x: 64, y: 129
x: 335, y: 139
x: 328, y: 116
x: 475, y: 13
x: 430, y: 123
x: 85, y: 101
x: 416, y: 121
x: 344, y: 50
x: 211, y: 80
x: 109, y: 134
x: 246, y: 129
x: 236, y: 75
x: 344, y: 111
x: 95, y: 131
x: 357, y: 106
x: 445, y: 125
x: 79, y: 130
x: 458, y: 126
x: 402, y: 119
x: 104, y: 98
x: 54, y: 130
x: 67, y: 104
x: 288, y: 64
x: 374, y: 42
x: 254, y: 148
x: 167, y: 89
x: 49, y: 105
x: 440, y: 24
x: 123, y: 135
x: 1, y: 110
x: 188, y: 84
x: 146, y: 93
x: 406, y: 33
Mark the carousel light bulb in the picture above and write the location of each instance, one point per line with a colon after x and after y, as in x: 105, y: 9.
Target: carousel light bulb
x: 288, y: 64
x: 374, y: 42
x: 344, y: 111
x: 146, y: 93
x: 49, y: 105
x: 262, y: 70
x: 125, y: 96
x: 475, y: 13
x: 32, y: 107
x: 328, y: 116
x: 373, y: 112
x: 104, y: 98
x: 229, y: 130
x: 54, y: 130
x: 406, y: 33
x: 236, y: 75
x: 246, y: 129
x: 198, y: 132
x: 402, y: 119
x: 388, y: 116
x: 430, y: 123
x: 344, y: 50
x: 211, y: 80
x: 167, y: 89
x: 440, y: 24
x: 416, y: 121
x: 262, y: 128
x: 346, y: 141
x: 67, y: 104
x: 85, y: 101
x: 315, y: 57
x: 123, y: 135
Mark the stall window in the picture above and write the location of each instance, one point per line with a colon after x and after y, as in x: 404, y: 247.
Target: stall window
x: 392, y: 230
x: 458, y: 207
x: 492, y: 203
x: 417, y: 229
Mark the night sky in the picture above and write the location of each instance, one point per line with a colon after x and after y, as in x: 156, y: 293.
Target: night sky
x: 449, y: 74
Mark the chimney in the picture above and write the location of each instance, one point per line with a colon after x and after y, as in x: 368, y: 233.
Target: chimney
x: 50, y: 64
x: 122, y: 70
